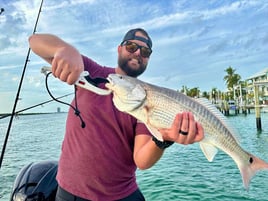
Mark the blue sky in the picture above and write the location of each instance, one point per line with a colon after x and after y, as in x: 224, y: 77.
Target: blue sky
x: 193, y: 41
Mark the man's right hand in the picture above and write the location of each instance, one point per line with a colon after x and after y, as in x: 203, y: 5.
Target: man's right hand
x: 67, y: 64
x: 66, y: 61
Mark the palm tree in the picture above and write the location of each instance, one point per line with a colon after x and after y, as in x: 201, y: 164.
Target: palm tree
x: 231, y: 78
x: 214, y: 94
x: 194, y: 92
x: 184, y: 89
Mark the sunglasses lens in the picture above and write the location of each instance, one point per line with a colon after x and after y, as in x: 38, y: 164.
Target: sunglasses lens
x: 145, y: 52
x: 132, y: 47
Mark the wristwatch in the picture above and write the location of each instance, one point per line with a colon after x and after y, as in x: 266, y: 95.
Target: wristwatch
x: 162, y: 145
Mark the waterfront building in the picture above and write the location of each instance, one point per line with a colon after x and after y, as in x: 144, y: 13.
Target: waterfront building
x: 259, y: 79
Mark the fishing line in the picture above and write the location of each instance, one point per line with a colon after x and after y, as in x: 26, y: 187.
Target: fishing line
x: 75, y: 108
x: 18, y: 92
x: 28, y: 108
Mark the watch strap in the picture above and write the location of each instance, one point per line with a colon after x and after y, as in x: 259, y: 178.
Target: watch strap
x: 162, y: 144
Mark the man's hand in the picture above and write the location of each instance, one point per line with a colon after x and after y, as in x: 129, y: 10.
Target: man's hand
x: 66, y: 61
x: 67, y: 65
x: 184, y: 130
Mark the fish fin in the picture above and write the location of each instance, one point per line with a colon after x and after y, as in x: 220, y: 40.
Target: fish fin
x: 154, y: 131
x: 209, y: 150
x: 250, y: 169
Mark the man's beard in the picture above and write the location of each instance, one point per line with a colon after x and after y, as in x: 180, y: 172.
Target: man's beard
x: 123, y: 64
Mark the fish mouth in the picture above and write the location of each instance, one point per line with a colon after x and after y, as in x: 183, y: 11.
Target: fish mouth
x: 109, y: 85
x: 110, y: 80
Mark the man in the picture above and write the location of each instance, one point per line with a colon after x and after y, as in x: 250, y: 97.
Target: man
x: 98, y: 162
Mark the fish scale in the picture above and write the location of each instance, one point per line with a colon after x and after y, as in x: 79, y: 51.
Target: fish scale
x: 157, y: 107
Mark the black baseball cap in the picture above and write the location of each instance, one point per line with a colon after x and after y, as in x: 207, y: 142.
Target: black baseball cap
x: 130, y: 35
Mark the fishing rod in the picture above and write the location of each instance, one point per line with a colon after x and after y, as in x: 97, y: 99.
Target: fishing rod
x: 31, y: 107
x: 18, y: 91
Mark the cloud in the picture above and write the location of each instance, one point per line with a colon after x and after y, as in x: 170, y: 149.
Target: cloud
x: 4, y: 42
x: 220, y: 46
x: 15, y: 24
x: 265, y: 38
x: 191, y: 39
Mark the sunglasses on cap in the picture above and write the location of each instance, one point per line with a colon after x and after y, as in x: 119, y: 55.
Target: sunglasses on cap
x: 132, y: 47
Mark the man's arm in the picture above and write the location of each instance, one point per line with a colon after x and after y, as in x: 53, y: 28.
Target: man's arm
x: 146, y: 153
x: 66, y: 61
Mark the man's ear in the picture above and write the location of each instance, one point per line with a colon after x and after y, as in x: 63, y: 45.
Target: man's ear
x: 119, y: 48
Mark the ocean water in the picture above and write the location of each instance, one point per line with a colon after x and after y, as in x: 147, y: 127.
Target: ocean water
x: 183, y: 173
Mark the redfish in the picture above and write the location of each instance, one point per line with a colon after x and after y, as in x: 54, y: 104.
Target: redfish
x: 157, y: 107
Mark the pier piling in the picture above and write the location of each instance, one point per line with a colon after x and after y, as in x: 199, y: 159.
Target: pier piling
x: 257, y: 108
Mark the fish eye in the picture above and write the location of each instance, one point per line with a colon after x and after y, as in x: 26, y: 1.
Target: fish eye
x: 250, y: 160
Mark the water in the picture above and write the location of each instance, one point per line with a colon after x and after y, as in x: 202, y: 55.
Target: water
x: 183, y: 173
x: 32, y: 138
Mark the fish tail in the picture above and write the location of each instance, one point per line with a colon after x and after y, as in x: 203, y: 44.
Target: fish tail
x: 253, y: 166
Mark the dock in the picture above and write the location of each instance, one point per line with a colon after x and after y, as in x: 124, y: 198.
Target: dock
x: 229, y: 110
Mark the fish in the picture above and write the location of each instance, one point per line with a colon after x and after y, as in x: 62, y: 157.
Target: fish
x: 157, y: 107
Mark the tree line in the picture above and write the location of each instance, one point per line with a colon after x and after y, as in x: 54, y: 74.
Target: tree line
x: 232, y: 80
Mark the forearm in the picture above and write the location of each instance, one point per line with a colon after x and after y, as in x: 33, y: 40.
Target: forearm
x: 46, y: 45
x: 65, y: 60
x: 147, y: 154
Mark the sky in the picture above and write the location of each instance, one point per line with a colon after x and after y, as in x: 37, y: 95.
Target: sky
x: 193, y: 42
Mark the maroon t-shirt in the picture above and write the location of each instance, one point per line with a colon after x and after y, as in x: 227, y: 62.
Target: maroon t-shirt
x: 96, y: 162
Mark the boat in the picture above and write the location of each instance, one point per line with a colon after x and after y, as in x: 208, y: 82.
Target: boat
x: 36, y: 182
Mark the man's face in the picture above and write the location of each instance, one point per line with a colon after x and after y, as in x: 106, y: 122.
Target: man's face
x: 133, y: 64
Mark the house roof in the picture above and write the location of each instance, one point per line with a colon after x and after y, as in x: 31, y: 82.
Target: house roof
x: 259, y: 74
